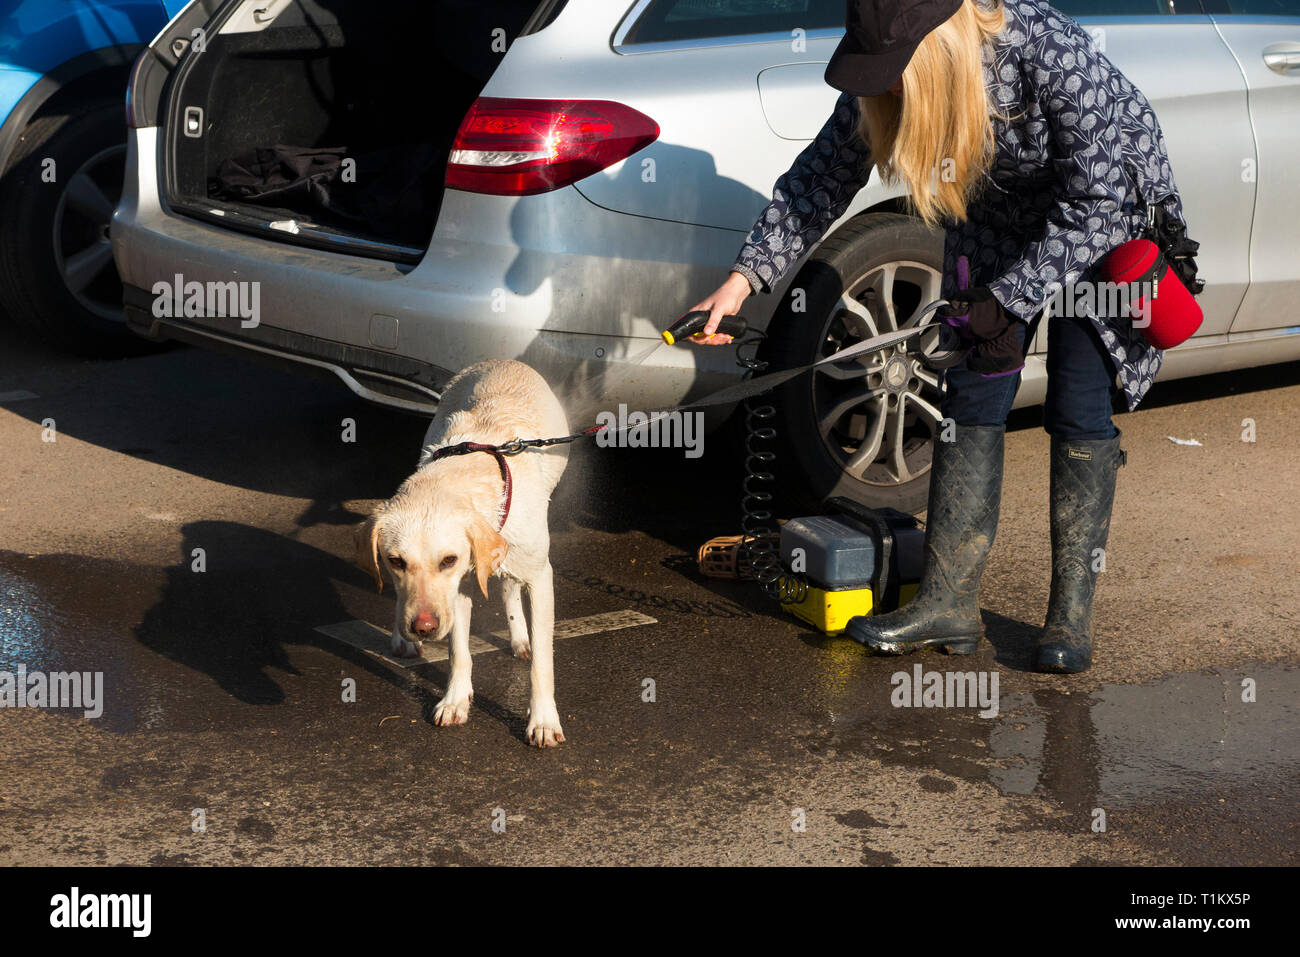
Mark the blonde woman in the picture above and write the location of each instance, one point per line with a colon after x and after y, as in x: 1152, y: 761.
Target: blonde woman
x: 1038, y: 157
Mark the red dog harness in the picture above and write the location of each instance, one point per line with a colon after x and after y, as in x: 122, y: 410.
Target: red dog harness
x: 499, y: 452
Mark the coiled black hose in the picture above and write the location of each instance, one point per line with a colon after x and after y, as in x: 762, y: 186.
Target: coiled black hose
x: 757, y: 541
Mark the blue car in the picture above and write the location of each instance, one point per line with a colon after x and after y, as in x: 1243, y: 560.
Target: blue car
x: 64, y: 66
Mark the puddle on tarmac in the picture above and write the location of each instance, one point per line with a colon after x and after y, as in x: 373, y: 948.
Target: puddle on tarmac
x: 174, y: 651
x: 1119, y: 745
x: 41, y: 633
x: 1135, y: 743
x: 26, y: 620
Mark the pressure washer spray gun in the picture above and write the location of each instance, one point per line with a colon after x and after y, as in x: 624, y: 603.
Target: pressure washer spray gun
x: 693, y: 323
x: 823, y: 569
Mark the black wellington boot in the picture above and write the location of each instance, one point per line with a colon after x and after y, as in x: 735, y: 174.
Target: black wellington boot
x: 1083, y: 491
x: 965, y: 492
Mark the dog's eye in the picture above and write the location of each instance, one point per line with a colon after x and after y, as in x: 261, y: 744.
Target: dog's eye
x: 397, y: 562
x: 447, y: 562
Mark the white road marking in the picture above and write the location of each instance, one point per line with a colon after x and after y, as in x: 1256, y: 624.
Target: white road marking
x: 374, y: 640
x: 17, y: 396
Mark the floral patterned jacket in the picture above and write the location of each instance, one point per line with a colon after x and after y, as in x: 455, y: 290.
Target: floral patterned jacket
x: 1078, y: 158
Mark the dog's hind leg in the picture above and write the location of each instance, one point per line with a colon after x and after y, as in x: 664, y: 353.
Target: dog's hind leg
x: 454, y: 706
x: 543, y: 717
x: 512, y: 592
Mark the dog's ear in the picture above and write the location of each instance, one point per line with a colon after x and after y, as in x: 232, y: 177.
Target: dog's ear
x: 489, y: 550
x: 365, y: 537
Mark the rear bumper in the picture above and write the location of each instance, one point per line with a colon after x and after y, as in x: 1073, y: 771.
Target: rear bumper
x: 576, y: 291
x: 381, y: 377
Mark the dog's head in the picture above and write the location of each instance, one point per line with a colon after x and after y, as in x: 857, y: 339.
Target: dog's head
x: 427, y: 542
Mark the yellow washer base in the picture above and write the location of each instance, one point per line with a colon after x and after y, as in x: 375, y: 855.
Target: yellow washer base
x: 830, y: 611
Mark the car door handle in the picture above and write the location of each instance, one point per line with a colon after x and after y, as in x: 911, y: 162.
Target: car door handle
x: 1282, y: 58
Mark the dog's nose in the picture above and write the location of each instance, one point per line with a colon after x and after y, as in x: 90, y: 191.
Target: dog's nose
x: 424, y: 624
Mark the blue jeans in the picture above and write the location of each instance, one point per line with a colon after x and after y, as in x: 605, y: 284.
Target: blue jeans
x: 1080, y: 386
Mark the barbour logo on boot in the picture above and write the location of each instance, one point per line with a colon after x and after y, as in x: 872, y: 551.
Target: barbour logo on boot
x: 1085, y: 454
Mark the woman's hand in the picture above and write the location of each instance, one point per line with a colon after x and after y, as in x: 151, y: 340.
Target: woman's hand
x: 724, y: 302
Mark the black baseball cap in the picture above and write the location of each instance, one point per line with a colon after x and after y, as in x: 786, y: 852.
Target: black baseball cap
x: 880, y: 37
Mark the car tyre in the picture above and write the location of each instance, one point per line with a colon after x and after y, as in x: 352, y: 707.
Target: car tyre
x: 57, y: 276
x: 866, y: 430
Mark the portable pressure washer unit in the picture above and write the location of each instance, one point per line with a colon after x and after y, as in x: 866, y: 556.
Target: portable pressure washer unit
x: 853, y: 561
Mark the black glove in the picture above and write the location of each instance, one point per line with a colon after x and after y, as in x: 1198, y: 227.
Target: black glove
x: 979, y: 317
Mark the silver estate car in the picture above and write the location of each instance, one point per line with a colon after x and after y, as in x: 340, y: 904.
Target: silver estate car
x: 393, y: 190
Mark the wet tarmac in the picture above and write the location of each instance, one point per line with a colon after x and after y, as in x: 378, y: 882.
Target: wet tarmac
x: 723, y: 732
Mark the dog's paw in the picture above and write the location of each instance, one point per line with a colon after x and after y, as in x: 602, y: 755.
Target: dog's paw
x: 522, y: 648
x: 399, y: 647
x: 544, y: 729
x: 451, y: 710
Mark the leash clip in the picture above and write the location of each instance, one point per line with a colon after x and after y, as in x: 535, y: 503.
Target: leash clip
x: 937, y: 358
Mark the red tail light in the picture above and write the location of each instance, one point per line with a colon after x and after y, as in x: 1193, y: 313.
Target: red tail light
x: 517, y: 147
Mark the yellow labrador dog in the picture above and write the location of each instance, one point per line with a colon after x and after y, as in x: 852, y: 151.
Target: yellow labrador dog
x: 455, y: 514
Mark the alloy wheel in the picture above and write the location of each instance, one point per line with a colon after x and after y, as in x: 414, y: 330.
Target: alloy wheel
x: 82, y: 218
x: 878, y: 415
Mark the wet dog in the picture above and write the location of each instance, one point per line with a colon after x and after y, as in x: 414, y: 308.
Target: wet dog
x: 454, y: 514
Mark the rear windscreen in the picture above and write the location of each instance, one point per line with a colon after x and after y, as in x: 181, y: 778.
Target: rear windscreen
x: 667, y: 20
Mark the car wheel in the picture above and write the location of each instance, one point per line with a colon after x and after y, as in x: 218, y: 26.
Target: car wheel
x: 57, y: 275
x: 863, y: 429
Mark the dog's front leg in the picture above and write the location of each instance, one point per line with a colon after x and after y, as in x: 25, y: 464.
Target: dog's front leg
x: 454, y: 706
x: 543, y: 717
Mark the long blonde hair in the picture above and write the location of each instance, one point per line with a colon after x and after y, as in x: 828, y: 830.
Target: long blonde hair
x: 938, y: 139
